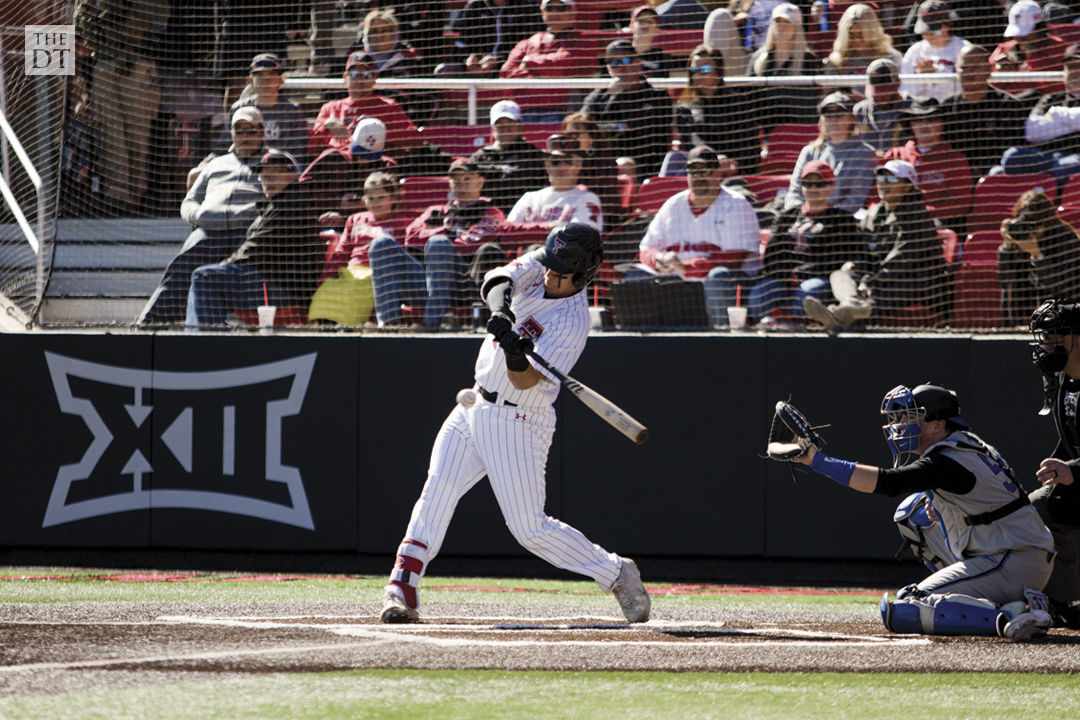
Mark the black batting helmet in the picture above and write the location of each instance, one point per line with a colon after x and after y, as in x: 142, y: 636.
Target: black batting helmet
x: 575, y: 249
x: 1052, y: 318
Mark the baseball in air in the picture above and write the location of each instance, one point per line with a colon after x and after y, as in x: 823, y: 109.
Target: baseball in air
x: 466, y: 397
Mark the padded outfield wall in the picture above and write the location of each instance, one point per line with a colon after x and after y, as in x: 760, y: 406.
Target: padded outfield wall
x: 320, y: 443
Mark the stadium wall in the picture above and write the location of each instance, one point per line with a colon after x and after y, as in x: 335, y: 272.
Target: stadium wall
x: 320, y: 443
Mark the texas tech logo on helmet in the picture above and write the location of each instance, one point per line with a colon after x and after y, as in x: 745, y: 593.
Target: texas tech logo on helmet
x: 215, y: 444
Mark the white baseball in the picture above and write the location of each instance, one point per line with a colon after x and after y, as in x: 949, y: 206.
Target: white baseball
x: 466, y: 397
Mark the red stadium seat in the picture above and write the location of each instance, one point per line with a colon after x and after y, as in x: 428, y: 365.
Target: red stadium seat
x: 767, y: 186
x: 1070, y: 194
x: 783, y: 145
x: 456, y: 140
x: 537, y: 133
x: 420, y: 191
x: 679, y: 42
x: 977, y: 298
x: 656, y: 190
x: 995, y: 196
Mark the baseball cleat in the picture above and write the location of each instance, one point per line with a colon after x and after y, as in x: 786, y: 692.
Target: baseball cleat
x: 817, y: 310
x: 631, y: 594
x: 394, y: 610
x: 1025, y: 626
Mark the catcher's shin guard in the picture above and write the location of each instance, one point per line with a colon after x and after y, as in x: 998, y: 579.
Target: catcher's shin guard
x: 940, y: 615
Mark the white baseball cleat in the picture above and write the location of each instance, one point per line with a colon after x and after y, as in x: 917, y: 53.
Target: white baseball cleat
x: 1026, y: 625
x: 631, y: 594
x: 817, y: 310
x: 394, y: 609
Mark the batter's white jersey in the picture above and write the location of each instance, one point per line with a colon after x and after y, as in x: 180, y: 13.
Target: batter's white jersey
x: 508, y: 440
x: 558, y: 207
x: 730, y: 223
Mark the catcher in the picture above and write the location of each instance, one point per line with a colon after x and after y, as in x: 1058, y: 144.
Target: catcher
x: 965, y: 516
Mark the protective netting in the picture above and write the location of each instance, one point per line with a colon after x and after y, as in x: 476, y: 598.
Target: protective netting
x: 840, y: 174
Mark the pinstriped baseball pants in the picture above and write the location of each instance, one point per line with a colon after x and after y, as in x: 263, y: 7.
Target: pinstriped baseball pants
x: 510, y: 446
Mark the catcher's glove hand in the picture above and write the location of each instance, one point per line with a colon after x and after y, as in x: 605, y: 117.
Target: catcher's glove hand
x: 790, y: 434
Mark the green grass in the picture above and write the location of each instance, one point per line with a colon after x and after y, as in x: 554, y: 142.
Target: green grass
x: 472, y: 695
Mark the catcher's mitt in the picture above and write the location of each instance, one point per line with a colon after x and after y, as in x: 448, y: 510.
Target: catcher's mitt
x: 790, y: 434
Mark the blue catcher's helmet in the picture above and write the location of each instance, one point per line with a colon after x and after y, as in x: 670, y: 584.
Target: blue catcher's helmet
x: 904, y: 408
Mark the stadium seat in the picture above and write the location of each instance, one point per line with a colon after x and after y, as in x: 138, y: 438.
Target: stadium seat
x: 783, y: 145
x: 537, y: 133
x: 765, y: 187
x: 995, y: 196
x: 456, y: 140
x: 420, y: 191
x: 1066, y: 31
x: 656, y: 190
x: 1070, y: 215
x: 1070, y: 194
x: 977, y: 298
x: 679, y: 42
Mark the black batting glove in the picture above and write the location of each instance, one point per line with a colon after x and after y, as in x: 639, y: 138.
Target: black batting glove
x: 500, y: 323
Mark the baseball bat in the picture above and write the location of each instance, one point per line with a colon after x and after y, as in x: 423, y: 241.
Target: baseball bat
x: 611, y: 413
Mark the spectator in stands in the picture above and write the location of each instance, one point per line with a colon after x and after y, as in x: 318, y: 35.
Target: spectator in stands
x: 944, y: 176
x: 851, y: 160
x: 455, y: 241
x: 1028, y: 47
x: 599, y: 171
x: 510, y: 165
x: 332, y: 180
x: 682, y: 15
x: 485, y: 31
x: 710, y: 113
x: 859, y: 41
x: 560, y: 51
x: 981, y: 122
x: 286, y: 126
x: 124, y: 96
x: 345, y: 294
x: 904, y: 282
x: 978, y: 21
x: 935, y: 53
x: 563, y: 201
x: 279, y: 260
x: 722, y: 34
x: 705, y: 231
x: 631, y: 112
x: 807, y: 244
x: 755, y: 16
x: 243, y: 29
x: 325, y: 16
x: 1039, y: 258
x: 784, y: 52
x: 644, y: 28
x: 378, y: 36
x: 337, y: 118
x: 1052, y: 129
x: 880, y: 113
x: 220, y: 206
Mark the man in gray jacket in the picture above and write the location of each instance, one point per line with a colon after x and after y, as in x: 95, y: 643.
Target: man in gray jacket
x: 220, y: 205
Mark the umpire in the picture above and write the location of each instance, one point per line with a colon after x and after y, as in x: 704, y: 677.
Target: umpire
x: 1055, y: 326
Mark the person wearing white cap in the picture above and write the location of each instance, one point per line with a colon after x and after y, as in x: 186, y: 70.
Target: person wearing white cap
x: 220, y: 205
x: 904, y: 282
x: 511, y: 165
x: 334, y: 179
x: 784, y: 52
x: 1028, y: 47
x: 935, y: 53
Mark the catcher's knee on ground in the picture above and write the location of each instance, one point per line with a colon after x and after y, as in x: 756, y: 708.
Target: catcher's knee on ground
x: 927, y: 614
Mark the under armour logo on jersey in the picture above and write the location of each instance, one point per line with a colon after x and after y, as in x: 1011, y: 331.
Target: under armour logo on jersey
x: 532, y: 329
x: 519, y: 416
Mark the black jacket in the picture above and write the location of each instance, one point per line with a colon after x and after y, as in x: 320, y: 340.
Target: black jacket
x: 638, y: 122
x: 510, y: 171
x: 726, y: 123
x: 805, y: 246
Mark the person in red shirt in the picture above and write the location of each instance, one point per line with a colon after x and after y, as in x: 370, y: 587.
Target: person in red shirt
x: 944, y: 173
x: 1028, y: 47
x: 337, y: 118
x: 560, y: 51
x: 456, y: 241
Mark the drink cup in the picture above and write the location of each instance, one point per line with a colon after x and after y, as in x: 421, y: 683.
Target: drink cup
x: 266, y: 318
x: 737, y: 316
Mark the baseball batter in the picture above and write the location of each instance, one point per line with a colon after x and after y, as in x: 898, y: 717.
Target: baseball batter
x: 966, y: 517
x: 505, y: 434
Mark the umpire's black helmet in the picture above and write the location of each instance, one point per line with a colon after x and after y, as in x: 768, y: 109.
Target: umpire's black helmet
x: 574, y: 249
x: 1053, y: 318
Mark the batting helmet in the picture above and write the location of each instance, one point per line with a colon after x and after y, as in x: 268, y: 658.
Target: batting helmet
x: 575, y: 249
x: 1052, y: 318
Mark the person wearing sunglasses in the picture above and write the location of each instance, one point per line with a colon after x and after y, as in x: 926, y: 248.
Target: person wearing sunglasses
x: 337, y: 118
x: 563, y: 201
x: 838, y: 144
x: 711, y: 113
x: 784, y: 52
x: 807, y: 244
x: 904, y: 281
x: 634, y: 115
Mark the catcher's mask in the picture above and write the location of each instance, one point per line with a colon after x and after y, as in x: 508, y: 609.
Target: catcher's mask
x: 904, y: 408
x: 1049, y: 325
